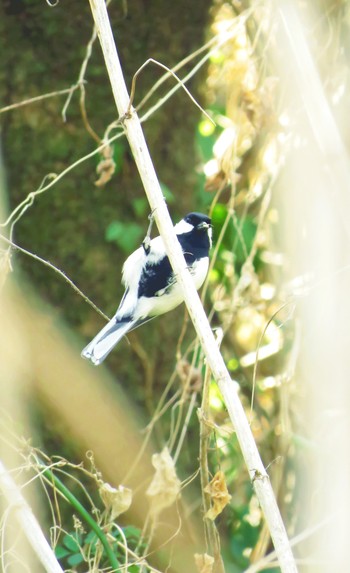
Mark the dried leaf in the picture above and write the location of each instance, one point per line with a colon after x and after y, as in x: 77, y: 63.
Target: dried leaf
x: 204, y: 562
x: 190, y: 376
x: 116, y: 501
x: 218, y: 494
x: 165, y: 485
x: 106, y: 167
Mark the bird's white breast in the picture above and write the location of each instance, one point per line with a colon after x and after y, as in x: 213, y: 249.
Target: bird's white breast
x: 172, y: 297
x: 165, y: 301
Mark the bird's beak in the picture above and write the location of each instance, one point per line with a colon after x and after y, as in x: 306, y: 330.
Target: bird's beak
x: 203, y: 225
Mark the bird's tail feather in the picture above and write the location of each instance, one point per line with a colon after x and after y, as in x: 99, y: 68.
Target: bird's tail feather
x: 99, y: 348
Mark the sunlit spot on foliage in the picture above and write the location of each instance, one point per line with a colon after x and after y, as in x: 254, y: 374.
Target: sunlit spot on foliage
x: 215, y: 398
x: 264, y: 352
x: 217, y: 57
x: 254, y: 515
x: 268, y: 382
x: 270, y: 156
x: 224, y: 141
x: 206, y: 128
x: 211, y: 167
x: 233, y: 364
x: 214, y: 275
x: 222, y: 444
x: 267, y: 291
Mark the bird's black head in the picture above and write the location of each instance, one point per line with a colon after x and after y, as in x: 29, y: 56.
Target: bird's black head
x: 197, y: 220
x: 194, y: 234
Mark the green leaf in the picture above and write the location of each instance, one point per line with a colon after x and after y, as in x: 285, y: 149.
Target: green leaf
x: 168, y: 195
x: 75, y: 559
x: 205, y: 143
x: 90, y: 538
x: 239, y: 234
x: 238, y: 545
x: 219, y: 214
x: 61, y: 552
x: 140, y: 206
x: 132, y: 532
x: 126, y: 235
x: 119, y: 149
x: 72, y: 542
x: 245, y: 238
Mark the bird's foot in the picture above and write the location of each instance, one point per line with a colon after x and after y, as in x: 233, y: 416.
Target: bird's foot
x: 147, y: 240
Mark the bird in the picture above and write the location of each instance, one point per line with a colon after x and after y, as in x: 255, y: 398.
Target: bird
x: 151, y: 287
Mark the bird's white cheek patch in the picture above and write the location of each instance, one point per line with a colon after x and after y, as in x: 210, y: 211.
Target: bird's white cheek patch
x: 183, y: 227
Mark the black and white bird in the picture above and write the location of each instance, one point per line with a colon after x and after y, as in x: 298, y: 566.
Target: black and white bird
x: 151, y: 288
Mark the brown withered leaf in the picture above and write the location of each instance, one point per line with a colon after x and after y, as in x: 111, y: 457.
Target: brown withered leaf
x: 190, y: 376
x: 115, y: 500
x: 218, y: 494
x: 204, y: 562
x: 106, y: 167
x: 165, y: 485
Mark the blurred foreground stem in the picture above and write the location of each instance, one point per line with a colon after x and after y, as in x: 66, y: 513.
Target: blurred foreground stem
x: 27, y: 521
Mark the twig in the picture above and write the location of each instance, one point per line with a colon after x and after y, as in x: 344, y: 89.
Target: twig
x: 256, y: 362
x: 28, y: 522
x: 185, y: 426
x: 212, y: 535
x: 177, y: 411
x: 169, y: 71
x: 57, y: 270
x: 221, y: 39
x: 29, y: 200
x: 134, y: 133
x: 212, y: 42
x: 81, y: 84
x: 39, y: 98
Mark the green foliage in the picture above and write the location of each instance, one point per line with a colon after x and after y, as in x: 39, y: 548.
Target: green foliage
x: 126, y: 235
x: 70, y: 550
x: 76, y: 548
x: 119, y: 150
x: 237, y: 239
x: 206, y: 137
x: 140, y: 206
x: 243, y: 538
x: 167, y: 193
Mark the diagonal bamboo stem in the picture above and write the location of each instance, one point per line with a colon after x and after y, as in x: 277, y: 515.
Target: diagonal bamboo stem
x: 138, y: 145
x: 28, y: 522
